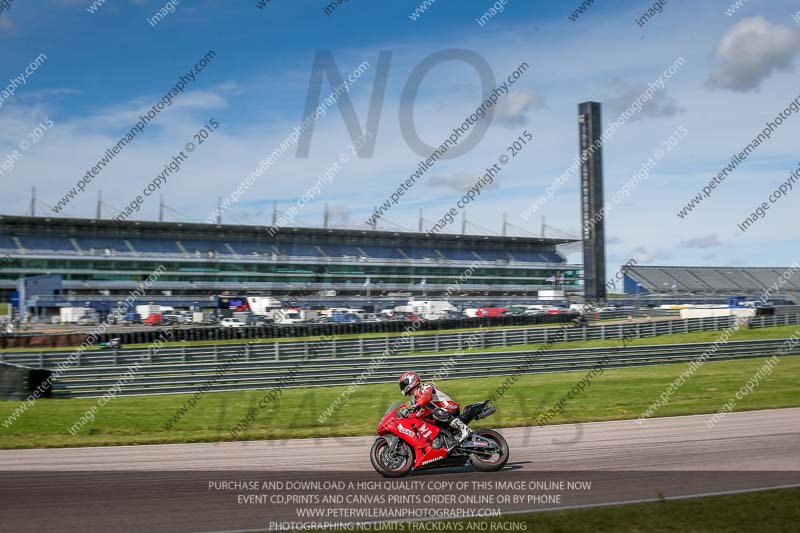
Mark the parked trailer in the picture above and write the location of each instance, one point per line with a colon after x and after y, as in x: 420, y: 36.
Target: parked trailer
x: 263, y: 305
x: 70, y: 315
x: 432, y: 309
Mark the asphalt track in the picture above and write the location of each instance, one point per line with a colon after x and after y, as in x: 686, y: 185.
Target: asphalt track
x: 181, y: 487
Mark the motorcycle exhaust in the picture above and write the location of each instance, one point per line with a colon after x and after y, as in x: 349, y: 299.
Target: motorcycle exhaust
x: 485, y: 412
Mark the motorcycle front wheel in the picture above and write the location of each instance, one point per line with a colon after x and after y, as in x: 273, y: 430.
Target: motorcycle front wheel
x: 389, y: 463
x: 490, y: 462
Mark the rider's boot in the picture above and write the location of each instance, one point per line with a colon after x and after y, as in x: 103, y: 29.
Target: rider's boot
x: 456, y: 423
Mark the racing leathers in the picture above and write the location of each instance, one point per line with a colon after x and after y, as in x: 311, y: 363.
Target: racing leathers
x: 429, y: 394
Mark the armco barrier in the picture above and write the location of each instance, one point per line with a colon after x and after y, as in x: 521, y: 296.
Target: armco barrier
x: 214, y: 333
x: 264, y: 374
x: 331, y: 346
x: 183, y: 370
x: 276, y: 331
x: 771, y: 321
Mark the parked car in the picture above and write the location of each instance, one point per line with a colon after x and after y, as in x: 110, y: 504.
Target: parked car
x: 153, y: 320
x: 491, y: 311
x: 342, y: 318
x: 130, y: 318
x: 534, y: 312
x: 231, y: 323
x: 405, y: 316
x: 256, y: 321
x: 170, y: 320
x: 372, y: 317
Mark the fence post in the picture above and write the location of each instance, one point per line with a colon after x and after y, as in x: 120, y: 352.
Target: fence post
x: 505, y: 340
x: 116, y: 357
x: 671, y: 326
x: 246, y: 352
x: 585, y: 333
x: 333, y: 346
x: 525, y: 336
x: 638, y: 330
x: 361, y: 346
x: 216, y: 353
x: 460, y: 346
x: 602, y: 332
x: 545, y: 334
x: 277, y: 350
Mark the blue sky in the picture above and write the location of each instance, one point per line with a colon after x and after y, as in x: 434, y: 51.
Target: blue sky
x: 103, y: 68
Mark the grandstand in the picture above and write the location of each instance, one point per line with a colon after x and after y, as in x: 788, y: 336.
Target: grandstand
x: 678, y: 280
x: 103, y: 257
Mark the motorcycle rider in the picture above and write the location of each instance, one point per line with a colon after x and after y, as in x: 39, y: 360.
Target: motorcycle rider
x: 411, y: 384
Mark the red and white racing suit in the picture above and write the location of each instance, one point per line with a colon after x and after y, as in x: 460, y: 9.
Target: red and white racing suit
x: 428, y: 393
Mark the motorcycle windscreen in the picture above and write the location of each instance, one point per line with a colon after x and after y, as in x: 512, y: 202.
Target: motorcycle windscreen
x: 392, y: 407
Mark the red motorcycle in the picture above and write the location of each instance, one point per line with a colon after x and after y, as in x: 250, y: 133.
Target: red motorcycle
x: 417, y: 442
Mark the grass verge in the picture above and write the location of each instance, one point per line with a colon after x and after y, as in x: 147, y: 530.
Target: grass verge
x: 615, y: 394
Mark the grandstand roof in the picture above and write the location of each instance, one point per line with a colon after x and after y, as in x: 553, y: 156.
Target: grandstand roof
x: 709, y: 279
x: 68, y: 226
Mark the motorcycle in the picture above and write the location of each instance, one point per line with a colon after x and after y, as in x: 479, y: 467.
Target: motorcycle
x: 416, y: 442
x: 580, y: 321
x: 112, y: 344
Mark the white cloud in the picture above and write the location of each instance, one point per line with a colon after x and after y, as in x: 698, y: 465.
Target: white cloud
x: 750, y: 52
x: 642, y: 254
x: 459, y: 182
x: 709, y: 241
x: 512, y: 108
x: 661, y: 106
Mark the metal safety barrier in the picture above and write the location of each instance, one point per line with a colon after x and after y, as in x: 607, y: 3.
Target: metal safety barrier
x: 332, y: 346
x: 248, y: 375
x: 262, y: 366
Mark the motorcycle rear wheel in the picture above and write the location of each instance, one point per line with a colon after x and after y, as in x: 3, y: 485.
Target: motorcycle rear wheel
x: 495, y: 462
x: 377, y: 456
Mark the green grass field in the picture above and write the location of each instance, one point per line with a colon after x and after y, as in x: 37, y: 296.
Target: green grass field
x: 616, y: 394
x: 770, y: 511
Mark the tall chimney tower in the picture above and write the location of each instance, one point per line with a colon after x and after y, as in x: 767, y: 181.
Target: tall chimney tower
x: 592, y: 222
